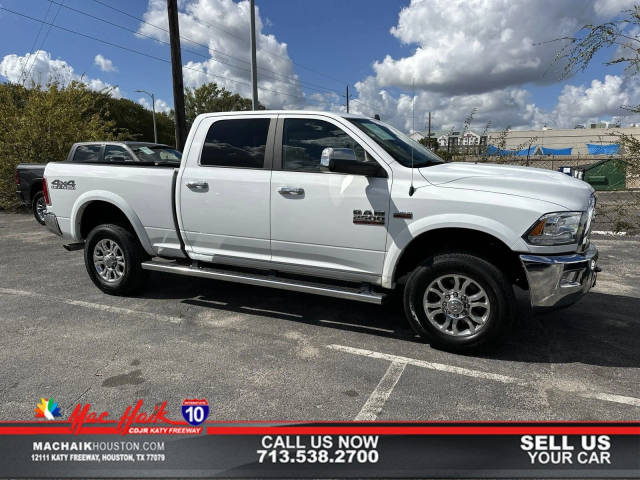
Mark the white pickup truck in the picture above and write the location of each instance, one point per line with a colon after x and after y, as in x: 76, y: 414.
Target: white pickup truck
x: 336, y: 205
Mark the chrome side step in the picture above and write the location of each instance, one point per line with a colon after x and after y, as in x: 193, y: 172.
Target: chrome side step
x: 363, y: 294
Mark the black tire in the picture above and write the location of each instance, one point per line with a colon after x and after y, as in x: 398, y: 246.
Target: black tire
x: 127, y: 277
x: 36, y: 205
x: 495, y: 286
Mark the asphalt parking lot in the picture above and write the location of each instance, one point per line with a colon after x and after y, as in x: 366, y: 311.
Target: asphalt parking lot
x: 257, y: 353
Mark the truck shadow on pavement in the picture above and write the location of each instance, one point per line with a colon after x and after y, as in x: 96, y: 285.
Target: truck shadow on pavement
x: 599, y: 330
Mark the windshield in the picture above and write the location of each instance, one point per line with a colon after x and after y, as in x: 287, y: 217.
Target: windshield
x: 157, y: 154
x: 397, y: 144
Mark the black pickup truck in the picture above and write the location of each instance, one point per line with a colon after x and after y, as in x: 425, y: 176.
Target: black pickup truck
x: 29, y: 175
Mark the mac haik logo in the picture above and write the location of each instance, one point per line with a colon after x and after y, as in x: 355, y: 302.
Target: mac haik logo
x: 134, y: 420
x: 48, y: 409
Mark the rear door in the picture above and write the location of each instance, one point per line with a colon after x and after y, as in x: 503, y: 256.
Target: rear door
x: 224, y: 196
x: 325, y: 223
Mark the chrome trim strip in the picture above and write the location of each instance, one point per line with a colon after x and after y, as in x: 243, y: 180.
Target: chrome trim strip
x: 556, y: 259
x: 362, y: 295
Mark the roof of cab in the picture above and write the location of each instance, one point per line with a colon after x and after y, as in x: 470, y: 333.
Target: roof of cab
x: 282, y: 112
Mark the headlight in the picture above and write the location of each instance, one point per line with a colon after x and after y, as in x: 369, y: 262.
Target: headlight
x: 560, y: 228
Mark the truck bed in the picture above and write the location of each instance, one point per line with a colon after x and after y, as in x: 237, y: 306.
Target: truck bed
x: 143, y: 193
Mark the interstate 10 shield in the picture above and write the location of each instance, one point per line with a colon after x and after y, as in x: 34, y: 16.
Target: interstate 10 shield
x: 195, y: 411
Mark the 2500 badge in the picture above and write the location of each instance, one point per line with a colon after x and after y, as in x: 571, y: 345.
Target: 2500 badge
x: 62, y: 185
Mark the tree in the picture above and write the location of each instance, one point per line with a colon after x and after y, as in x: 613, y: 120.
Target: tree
x: 212, y: 98
x: 622, y: 33
x: 133, y: 121
x: 40, y: 124
x: 430, y: 142
x: 578, y: 52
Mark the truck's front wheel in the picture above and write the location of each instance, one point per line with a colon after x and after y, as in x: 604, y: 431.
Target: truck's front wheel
x: 113, y: 255
x: 459, y: 302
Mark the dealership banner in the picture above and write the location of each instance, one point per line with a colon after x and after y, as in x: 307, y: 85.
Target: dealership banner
x: 149, y: 442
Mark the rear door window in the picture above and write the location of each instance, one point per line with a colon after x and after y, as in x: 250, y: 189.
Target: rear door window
x: 116, y: 154
x: 239, y: 143
x: 87, y: 153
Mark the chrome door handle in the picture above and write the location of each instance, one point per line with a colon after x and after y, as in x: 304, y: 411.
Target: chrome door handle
x: 197, y: 185
x: 291, y: 191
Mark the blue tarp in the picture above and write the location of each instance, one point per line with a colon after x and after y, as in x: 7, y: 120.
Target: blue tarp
x: 493, y: 150
x: 612, y: 149
x: 556, y: 151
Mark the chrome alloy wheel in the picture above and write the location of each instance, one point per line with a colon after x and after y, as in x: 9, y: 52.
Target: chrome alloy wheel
x: 41, y: 208
x: 108, y: 259
x: 456, y: 305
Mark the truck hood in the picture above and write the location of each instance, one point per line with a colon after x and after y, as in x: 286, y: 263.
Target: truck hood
x: 535, y: 183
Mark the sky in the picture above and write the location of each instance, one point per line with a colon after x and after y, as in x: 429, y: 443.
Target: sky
x: 400, y: 58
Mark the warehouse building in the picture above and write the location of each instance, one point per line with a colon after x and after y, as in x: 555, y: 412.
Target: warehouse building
x: 598, y: 140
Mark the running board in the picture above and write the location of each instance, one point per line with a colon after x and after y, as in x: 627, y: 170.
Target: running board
x: 363, y: 294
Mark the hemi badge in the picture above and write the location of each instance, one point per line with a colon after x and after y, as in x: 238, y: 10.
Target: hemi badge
x: 403, y: 215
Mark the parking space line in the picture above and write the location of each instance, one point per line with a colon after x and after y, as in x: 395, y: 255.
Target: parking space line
x: 429, y: 365
x: 607, y: 397
x: 94, y: 306
x: 374, y: 404
x: 612, y: 398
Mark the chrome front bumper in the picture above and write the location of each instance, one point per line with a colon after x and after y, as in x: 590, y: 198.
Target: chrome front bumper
x: 560, y: 280
x: 51, y: 223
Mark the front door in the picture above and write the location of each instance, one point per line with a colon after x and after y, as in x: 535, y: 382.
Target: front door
x: 322, y: 222
x: 225, y: 195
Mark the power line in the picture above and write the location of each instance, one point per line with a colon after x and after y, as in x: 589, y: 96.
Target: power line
x: 273, y: 54
x: 207, y: 57
x: 35, y: 41
x: 42, y: 22
x: 44, y: 39
x: 306, y: 84
x: 144, y: 54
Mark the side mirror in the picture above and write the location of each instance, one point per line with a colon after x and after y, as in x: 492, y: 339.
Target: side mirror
x: 343, y: 160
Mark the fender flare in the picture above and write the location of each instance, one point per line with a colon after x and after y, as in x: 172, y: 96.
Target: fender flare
x: 404, y: 238
x: 117, y: 201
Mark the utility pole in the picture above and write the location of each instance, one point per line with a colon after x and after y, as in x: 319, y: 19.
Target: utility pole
x: 176, y: 72
x: 254, y: 65
x: 347, y: 98
x: 429, y: 135
x: 153, y: 109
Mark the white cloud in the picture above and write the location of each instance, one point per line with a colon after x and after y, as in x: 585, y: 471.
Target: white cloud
x: 105, y: 64
x: 511, y: 106
x: 223, y: 26
x: 601, y: 99
x: 471, y: 46
x: 477, y: 55
x: 41, y: 69
x: 610, y: 8
x: 161, y: 105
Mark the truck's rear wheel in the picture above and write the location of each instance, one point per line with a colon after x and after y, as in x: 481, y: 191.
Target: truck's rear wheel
x: 459, y: 302
x: 39, y: 207
x: 113, y: 255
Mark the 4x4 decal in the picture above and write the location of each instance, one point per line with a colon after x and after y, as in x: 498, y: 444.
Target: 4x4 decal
x: 62, y: 185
